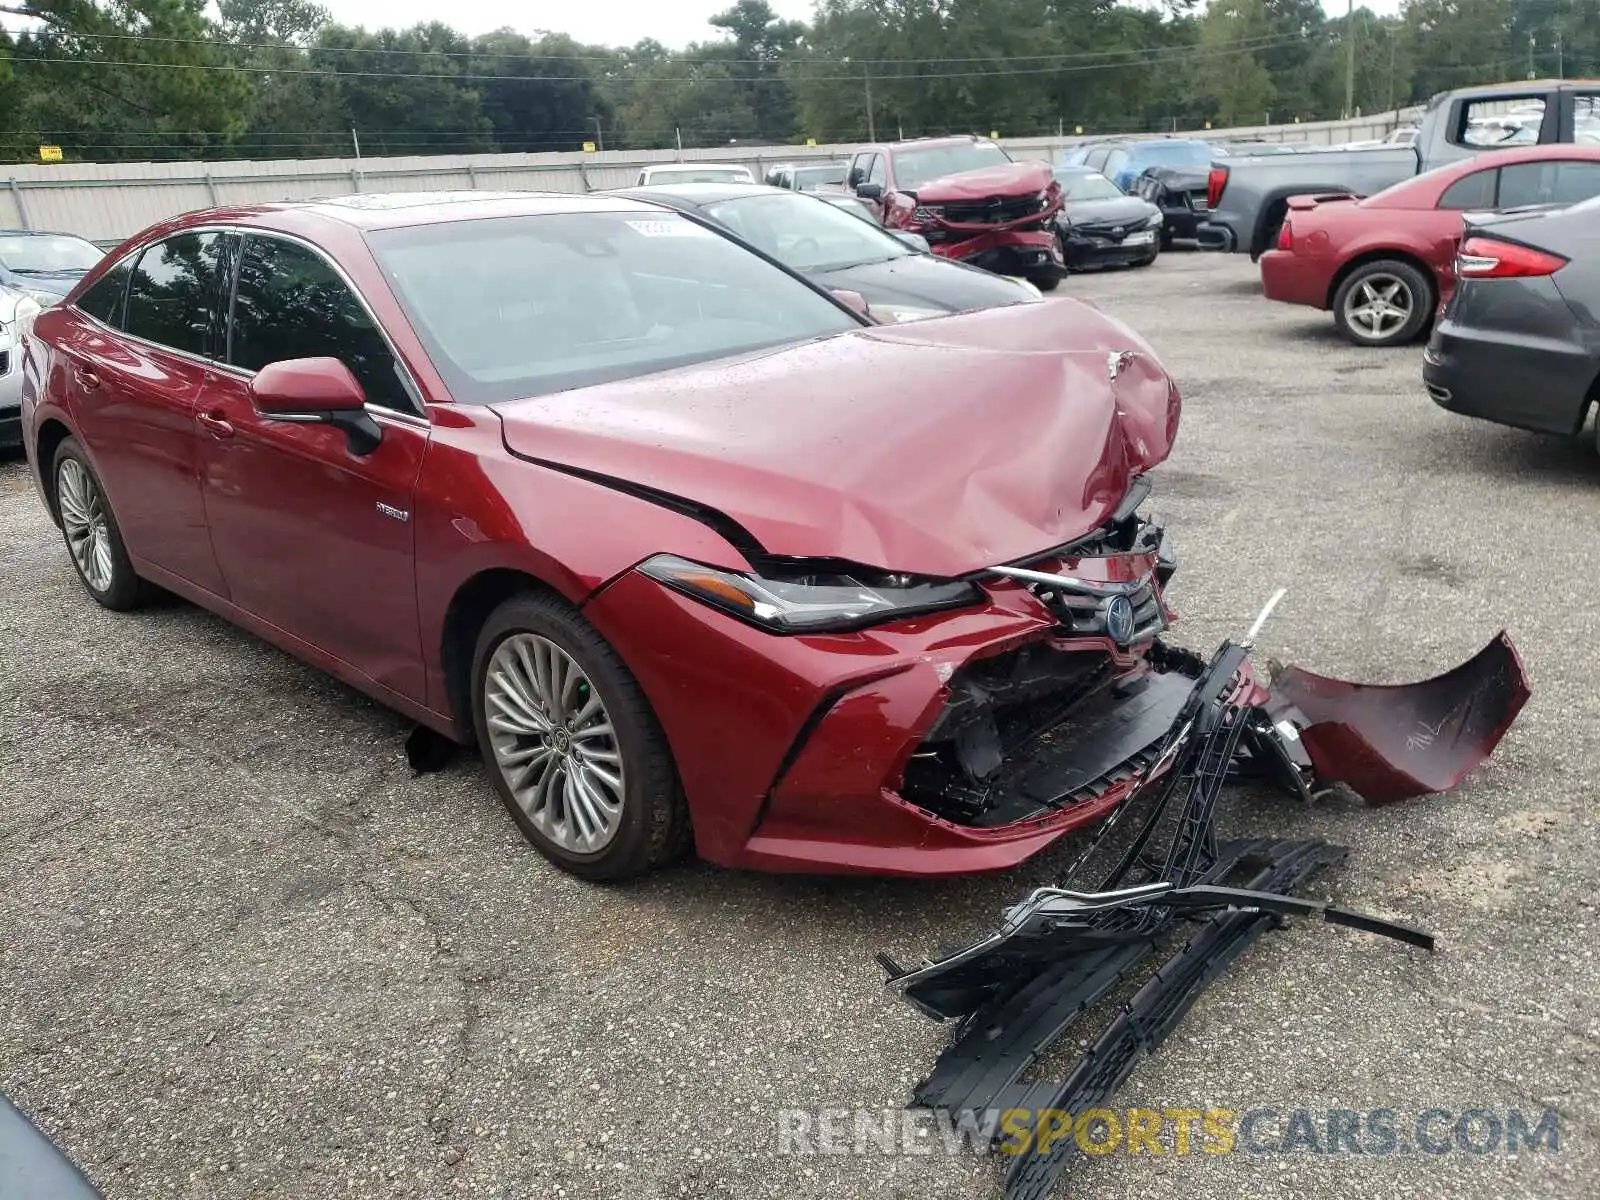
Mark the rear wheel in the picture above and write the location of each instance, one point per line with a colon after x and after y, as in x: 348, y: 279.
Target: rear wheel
x: 572, y: 745
x: 1383, y: 303
x: 91, y: 532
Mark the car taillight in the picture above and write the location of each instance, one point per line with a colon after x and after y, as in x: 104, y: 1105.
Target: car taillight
x: 1286, y: 236
x: 1215, y: 182
x: 1489, y: 258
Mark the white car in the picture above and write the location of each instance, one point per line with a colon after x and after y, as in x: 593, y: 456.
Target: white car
x: 693, y: 173
x: 17, y: 311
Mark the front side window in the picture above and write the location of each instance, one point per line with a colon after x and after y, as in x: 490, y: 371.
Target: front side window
x: 103, y: 301
x: 805, y: 233
x: 522, y: 306
x: 1498, y: 122
x: 880, y: 169
x: 172, y: 292
x: 913, y: 168
x: 290, y: 303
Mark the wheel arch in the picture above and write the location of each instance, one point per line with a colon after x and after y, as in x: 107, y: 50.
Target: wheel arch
x: 1381, y: 254
x: 52, y: 432
x: 469, y: 608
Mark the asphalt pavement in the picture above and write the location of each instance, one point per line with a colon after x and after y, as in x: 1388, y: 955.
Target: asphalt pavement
x: 245, y: 953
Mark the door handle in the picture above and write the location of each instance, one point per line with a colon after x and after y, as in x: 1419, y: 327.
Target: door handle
x: 217, y: 425
x: 86, y: 378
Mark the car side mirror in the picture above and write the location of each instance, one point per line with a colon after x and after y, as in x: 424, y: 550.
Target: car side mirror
x: 854, y: 301
x: 316, y: 391
x: 870, y: 191
x: 915, y: 240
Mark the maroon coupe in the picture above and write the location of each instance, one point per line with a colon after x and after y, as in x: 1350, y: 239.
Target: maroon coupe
x: 685, y: 545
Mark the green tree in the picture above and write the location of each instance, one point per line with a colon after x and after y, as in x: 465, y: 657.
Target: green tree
x: 1231, y: 81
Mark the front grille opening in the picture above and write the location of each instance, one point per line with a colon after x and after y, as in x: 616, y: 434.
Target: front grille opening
x: 1038, y: 729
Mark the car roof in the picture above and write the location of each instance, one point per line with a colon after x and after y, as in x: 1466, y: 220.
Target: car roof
x: 698, y: 194
x: 696, y: 166
x: 367, y: 211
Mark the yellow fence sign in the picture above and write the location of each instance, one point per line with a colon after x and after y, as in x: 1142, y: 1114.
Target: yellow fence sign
x: 588, y: 147
x: 49, y: 153
x: 811, y: 141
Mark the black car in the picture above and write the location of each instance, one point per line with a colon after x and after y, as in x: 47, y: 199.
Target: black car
x: 895, y: 274
x: 1180, y: 194
x: 1519, y: 342
x: 1101, y: 227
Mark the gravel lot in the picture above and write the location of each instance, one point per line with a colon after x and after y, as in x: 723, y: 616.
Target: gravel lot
x: 243, y: 952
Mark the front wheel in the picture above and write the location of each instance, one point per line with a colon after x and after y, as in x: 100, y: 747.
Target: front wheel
x: 92, y: 535
x: 572, y: 745
x: 1383, y: 303
x: 1045, y: 281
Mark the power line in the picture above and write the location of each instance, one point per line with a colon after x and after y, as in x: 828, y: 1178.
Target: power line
x: 1139, y: 59
x: 621, y: 56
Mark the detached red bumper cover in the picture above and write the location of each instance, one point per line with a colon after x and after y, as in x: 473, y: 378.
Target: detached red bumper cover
x: 1391, y: 742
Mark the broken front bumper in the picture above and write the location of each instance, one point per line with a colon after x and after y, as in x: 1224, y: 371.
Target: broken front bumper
x: 1060, y: 951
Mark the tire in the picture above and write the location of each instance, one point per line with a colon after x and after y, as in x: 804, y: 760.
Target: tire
x: 1166, y: 240
x: 1387, y: 302
x: 571, y: 809
x: 90, y: 530
x: 1046, y: 281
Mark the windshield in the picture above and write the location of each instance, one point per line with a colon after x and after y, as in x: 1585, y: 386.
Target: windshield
x: 805, y: 233
x: 913, y: 168
x: 810, y: 177
x: 521, y: 306
x: 698, y: 175
x: 1086, y: 185
x: 1174, y: 152
x: 49, y: 254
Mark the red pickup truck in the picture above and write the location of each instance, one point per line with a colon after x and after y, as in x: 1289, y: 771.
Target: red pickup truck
x: 969, y: 199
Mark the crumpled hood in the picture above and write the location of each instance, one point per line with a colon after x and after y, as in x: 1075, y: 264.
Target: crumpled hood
x: 1006, y: 179
x: 938, y: 448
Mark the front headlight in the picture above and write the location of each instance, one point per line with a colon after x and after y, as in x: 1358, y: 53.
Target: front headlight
x: 1033, y: 292
x: 816, y: 602
x: 1154, y: 222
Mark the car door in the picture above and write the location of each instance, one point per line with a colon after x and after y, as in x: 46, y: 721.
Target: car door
x: 311, y: 536
x: 138, y: 342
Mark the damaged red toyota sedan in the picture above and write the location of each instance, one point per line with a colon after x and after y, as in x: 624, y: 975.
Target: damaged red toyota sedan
x: 685, y: 545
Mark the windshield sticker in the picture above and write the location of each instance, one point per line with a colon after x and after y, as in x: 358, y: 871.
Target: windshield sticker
x: 669, y: 229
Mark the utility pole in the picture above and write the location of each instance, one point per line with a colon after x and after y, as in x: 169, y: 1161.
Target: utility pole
x: 599, y: 134
x: 1350, y: 59
x: 356, y: 141
x: 1391, y: 66
x: 1561, y: 62
x: 1530, y: 56
x: 872, y: 129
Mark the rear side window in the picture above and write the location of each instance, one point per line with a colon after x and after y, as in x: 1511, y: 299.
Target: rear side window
x: 1474, y: 191
x: 1552, y: 182
x: 289, y: 303
x: 104, y: 300
x: 172, y: 290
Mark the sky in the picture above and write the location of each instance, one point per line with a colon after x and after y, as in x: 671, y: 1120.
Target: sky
x: 673, y: 23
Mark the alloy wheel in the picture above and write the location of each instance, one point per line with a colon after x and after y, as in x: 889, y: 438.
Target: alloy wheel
x: 1378, y: 307
x: 554, y: 742
x: 83, y: 519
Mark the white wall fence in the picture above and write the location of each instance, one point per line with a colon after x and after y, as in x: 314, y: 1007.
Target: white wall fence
x: 106, y: 202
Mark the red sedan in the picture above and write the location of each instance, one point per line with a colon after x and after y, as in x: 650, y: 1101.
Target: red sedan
x: 1385, y: 264
x: 685, y: 545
